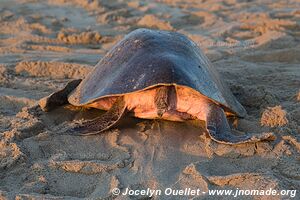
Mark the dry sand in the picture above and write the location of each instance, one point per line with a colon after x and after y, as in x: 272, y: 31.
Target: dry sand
x: 44, y: 44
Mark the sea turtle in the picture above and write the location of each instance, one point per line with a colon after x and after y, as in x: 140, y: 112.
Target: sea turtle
x: 155, y: 75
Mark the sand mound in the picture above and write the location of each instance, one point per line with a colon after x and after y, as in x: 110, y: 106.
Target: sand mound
x: 10, y: 154
x: 151, y: 21
x: 81, y: 38
x: 87, y: 4
x: 274, y: 116
x: 53, y: 69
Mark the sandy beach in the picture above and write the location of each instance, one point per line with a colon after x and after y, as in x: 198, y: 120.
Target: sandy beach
x: 254, y: 45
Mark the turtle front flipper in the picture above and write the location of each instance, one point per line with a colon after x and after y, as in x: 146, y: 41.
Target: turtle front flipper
x: 58, y: 98
x: 102, y: 123
x: 220, y: 131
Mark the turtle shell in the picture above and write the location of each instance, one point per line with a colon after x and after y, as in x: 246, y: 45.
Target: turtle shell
x: 147, y: 58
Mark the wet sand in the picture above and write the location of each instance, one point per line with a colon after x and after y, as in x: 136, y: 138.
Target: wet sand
x: 44, y: 44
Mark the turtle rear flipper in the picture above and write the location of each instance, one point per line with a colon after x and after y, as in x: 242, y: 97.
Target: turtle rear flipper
x: 58, y: 98
x: 220, y: 131
x: 102, y: 123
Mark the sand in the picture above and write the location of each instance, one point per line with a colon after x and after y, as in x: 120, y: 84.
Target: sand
x: 44, y: 44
